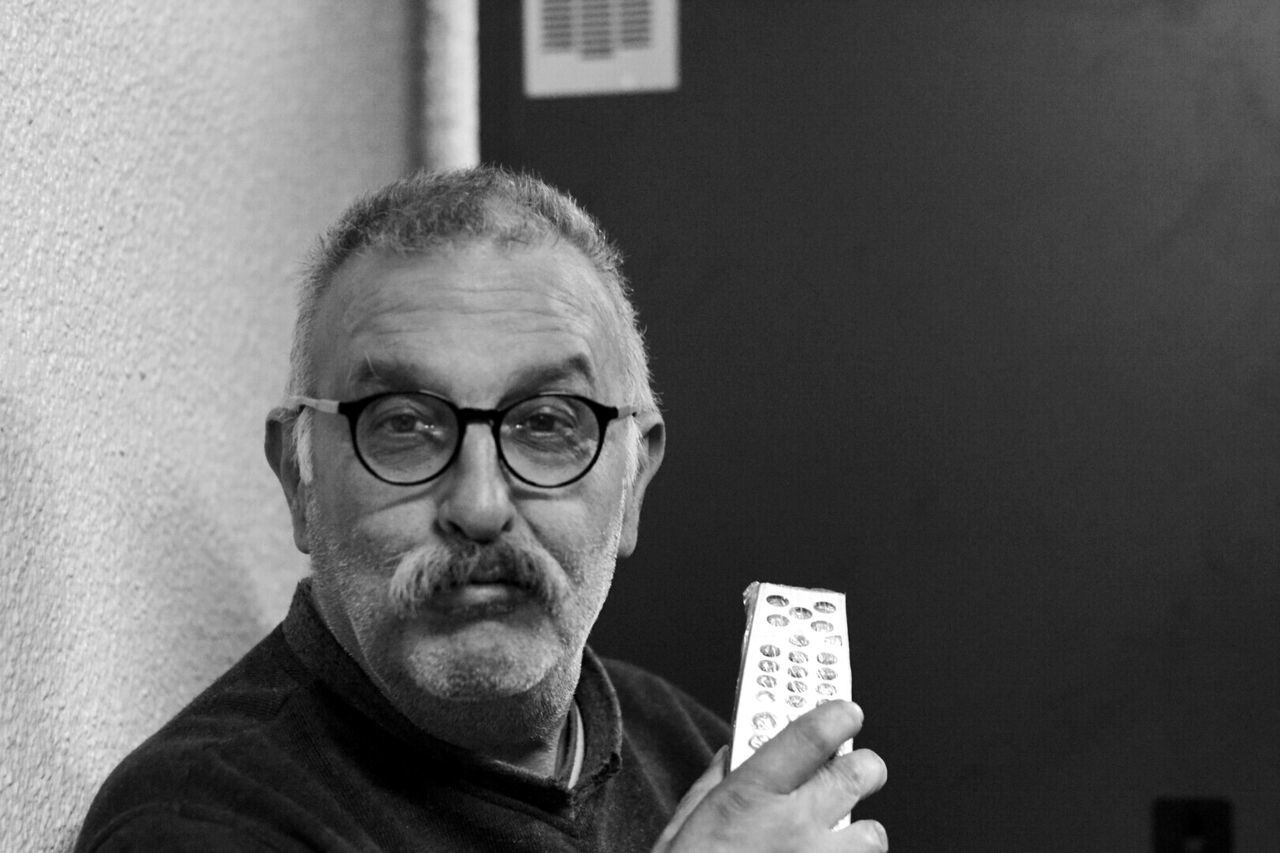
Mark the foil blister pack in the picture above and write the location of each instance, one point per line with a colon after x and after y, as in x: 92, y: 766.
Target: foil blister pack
x: 795, y: 656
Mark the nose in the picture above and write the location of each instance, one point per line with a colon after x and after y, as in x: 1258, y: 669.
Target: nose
x: 475, y: 495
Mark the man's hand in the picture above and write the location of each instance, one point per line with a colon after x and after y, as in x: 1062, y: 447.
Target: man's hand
x: 786, y: 796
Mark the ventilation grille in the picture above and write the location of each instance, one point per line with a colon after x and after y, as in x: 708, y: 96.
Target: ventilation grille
x: 596, y: 28
x: 581, y: 47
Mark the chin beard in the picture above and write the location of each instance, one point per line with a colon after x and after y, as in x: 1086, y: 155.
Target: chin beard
x: 467, y: 703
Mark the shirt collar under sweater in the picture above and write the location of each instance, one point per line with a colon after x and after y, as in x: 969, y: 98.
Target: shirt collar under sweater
x: 333, y: 670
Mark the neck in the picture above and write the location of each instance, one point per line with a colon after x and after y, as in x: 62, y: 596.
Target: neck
x: 525, y: 732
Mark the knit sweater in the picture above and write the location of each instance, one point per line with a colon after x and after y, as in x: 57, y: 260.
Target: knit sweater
x: 294, y: 748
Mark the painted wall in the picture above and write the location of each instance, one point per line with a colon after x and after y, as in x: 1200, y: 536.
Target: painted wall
x: 973, y: 311
x: 165, y: 167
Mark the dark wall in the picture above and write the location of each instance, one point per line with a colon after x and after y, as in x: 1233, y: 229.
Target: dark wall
x: 973, y: 312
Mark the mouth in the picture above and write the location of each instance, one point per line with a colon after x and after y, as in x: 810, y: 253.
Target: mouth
x: 464, y: 584
x: 479, y: 599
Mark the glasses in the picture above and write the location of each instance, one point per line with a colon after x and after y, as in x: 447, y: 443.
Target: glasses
x: 410, y: 438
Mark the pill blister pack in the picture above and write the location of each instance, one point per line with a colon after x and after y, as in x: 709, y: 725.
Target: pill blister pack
x: 795, y: 656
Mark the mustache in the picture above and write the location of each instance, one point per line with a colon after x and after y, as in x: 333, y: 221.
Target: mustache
x: 439, y: 568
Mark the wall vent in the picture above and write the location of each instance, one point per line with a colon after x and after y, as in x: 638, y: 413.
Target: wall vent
x: 598, y: 47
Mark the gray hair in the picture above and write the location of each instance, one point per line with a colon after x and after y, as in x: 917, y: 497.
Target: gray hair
x: 428, y: 211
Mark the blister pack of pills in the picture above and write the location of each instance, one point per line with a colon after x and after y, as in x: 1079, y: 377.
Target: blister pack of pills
x: 795, y: 656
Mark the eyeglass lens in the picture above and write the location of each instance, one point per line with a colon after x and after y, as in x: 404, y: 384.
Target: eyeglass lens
x: 407, y: 438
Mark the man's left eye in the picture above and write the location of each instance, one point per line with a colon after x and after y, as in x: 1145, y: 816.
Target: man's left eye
x: 546, y: 421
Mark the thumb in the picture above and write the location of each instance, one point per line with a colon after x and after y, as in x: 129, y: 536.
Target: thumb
x: 711, y: 777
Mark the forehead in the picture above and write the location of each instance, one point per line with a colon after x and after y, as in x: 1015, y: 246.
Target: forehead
x: 475, y: 322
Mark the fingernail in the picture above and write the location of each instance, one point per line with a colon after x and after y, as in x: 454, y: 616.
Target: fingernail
x: 881, y: 835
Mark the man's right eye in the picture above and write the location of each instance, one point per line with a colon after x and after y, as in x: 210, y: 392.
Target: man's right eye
x: 400, y: 418
x: 403, y: 424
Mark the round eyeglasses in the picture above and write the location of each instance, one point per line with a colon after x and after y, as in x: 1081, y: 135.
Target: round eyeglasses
x: 407, y: 438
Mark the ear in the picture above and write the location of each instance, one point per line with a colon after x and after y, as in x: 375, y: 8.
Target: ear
x: 282, y: 456
x: 653, y: 444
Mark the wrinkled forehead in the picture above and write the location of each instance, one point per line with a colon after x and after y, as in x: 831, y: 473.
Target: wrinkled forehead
x: 469, y: 313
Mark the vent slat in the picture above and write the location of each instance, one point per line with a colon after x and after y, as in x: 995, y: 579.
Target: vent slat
x: 584, y: 46
x: 557, y: 26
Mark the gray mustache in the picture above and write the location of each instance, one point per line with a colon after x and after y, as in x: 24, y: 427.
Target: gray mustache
x: 435, y: 570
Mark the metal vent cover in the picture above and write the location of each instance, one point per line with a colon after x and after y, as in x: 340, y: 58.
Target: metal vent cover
x: 593, y: 47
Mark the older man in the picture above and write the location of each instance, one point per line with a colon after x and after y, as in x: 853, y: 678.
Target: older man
x: 464, y: 455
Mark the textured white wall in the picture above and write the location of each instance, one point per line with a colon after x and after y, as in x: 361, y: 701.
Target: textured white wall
x: 165, y: 166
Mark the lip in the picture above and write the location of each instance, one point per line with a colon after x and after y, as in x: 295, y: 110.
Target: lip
x: 478, y: 600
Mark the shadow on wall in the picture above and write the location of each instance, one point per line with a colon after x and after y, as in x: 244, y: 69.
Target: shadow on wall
x: 118, y: 607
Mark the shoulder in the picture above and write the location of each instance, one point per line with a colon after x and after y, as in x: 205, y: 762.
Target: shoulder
x: 667, y: 738
x: 191, y: 828
x: 640, y: 684
x: 651, y: 704
x: 252, y: 706
x: 200, y: 782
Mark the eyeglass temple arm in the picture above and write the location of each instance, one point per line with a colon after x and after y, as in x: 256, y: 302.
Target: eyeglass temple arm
x: 330, y: 406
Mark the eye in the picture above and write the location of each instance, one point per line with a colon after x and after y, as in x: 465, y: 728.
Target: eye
x: 547, y: 420
x: 550, y: 424
x: 402, y: 423
x: 402, y: 419
x: 543, y: 414
x: 398, y: 424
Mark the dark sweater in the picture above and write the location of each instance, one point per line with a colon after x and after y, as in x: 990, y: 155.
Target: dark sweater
x: 294, y: 748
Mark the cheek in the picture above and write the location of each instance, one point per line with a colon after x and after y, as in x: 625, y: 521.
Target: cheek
x: 349, y: 493
x: 583, y: 532
x: 356, y: 509
x: 336, y: 472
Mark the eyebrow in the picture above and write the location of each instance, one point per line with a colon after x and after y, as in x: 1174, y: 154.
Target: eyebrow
x: 389, y: 373
x: 576, y: 366
x: 394, y: 374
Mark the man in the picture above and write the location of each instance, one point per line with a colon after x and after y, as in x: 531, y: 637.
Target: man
x: 464, y: 455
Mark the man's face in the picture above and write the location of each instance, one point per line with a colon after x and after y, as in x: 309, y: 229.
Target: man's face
x: 483, y: 327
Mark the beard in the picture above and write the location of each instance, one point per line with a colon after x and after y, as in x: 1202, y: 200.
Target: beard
x: 377, y: 599
x: 486, y: 681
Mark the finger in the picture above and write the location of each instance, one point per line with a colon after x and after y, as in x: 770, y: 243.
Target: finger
x: 864, y: 835
x: 842, y: 783
x: 788, y: 760
x: 697, y: 791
